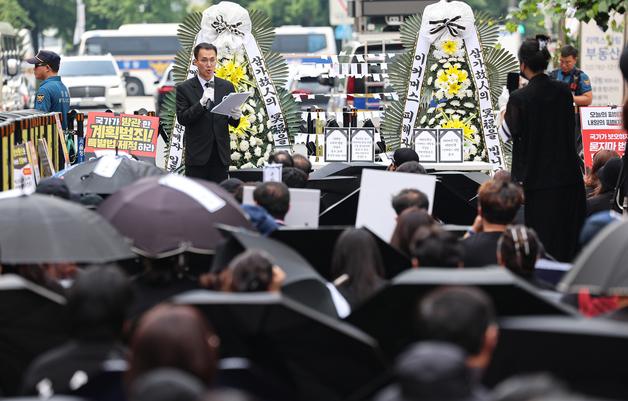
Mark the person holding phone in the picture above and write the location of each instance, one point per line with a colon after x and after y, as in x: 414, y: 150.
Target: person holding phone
x: 539, y: 122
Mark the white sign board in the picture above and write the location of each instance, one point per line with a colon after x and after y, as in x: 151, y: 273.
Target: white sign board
x: 304, y: 206
x: 272, y: 172
x: 362, y: 144
x: 450, y: 148
x: 426, y: 144
x: 600, y: 61
x: 377, y: 189
x: 336, y: 144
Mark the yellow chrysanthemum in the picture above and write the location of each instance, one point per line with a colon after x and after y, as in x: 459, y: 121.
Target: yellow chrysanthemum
x: 456, y: 123
x: 453, y: 88
x: 241, y: 129
x: 453, y: 70
x: 442, y: 77
x: 450, y: 47
x: 231, y: 71
x: 462, y: 75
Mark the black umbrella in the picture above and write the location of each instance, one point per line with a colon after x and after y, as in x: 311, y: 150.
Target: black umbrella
x: 390, y: 314
x: 46, y: 229
x: 601, y: 265
x: 589, y: 354
x: 81, y: 179
x: 171, y: 214
x: 32, y: 321
x: 323, y: 358
x: 317, y: 246
x: 302, y: 283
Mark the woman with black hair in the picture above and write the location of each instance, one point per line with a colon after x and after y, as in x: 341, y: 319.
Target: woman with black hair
x: 357, y: 265
x: 539, y: 120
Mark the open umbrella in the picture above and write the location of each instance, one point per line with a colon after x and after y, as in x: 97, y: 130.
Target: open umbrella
x: 389, y: 315
x: 317, y: 246
x: 107, y: 174
x: 601, y: 265
x: 171, y: 214
x: 589, y: 354
x: 302, y: 283
x: 321, y: 358
x: 32, y: 321
x: 45, y: 229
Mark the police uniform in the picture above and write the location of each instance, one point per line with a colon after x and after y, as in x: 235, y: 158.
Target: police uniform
x: 579, y: 84
x: 53, y: 96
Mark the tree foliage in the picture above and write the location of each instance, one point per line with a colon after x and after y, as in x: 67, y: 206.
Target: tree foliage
x: 583, y: 10
x: 110, y: 14
x: 11, y: 11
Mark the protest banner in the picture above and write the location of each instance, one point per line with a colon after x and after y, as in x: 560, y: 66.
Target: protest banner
x: 23, y: 175
x: 126, y: 133
x: 601, y: 129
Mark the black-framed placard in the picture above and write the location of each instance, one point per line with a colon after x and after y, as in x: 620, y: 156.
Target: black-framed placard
x: 336, y: 144
x: 426, y: 144
x: 450, y: 145
x: 362, y: 145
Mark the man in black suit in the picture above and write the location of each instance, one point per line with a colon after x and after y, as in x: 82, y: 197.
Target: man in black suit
x: 207, y: 153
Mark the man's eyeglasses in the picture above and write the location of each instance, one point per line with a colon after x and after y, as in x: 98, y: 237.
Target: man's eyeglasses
x: 207, y: 61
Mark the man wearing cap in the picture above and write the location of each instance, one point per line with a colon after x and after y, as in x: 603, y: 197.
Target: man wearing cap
x: 52, y: 96
x: 579, y: 84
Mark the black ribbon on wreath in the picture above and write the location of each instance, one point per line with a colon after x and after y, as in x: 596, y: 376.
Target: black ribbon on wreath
x: 220, y: 26
x: 449, y: 24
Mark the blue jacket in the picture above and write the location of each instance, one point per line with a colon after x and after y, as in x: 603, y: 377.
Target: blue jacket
x: 53, y: 96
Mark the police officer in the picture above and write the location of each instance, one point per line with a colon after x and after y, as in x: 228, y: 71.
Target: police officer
x: 52, y: 96
x: 579, y: 84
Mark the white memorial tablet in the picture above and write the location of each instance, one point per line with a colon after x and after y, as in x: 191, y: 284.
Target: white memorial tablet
x: 450, y: 146
x: 336, y: 144
x: 362, y: 144
x: 426, y: 144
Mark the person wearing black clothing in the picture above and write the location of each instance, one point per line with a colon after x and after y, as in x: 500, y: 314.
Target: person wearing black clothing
x: 602, y: 198
x: 97, y: 306
x: 498, y: 203
x: 539, y: 120
x: 207, y: 152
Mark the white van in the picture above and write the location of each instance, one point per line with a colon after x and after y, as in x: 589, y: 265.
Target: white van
x: 302, y: 43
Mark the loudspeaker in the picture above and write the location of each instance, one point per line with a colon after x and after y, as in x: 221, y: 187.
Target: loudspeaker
x: 455, y: 198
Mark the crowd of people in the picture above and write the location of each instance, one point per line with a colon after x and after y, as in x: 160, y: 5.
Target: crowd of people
x: 123, y: 338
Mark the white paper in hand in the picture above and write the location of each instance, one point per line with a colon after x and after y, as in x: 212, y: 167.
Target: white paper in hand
x: 230, y: 102
x: 107, y: 166
x: 199, y: 193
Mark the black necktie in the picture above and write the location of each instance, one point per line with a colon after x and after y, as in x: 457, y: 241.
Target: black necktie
x: 209, y: 84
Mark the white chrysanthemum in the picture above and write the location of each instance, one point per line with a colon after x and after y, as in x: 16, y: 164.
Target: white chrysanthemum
x: 252, y: 142
x: 439, y: 95
x: 430, y: 110
x: 257, y: 151
x: 469, y: 105
x: 244, y: 146
x: 461, y: 112
x: 247, y: 155
x: 423, y: 119
x: 449, y: 111
x: 260, y: 162
x: 469, y: 93
x: 455, y: 103
x: 233, y: 136
x: 233, y: 145
x: 248, y: 165
x: 431, y: 122
x: 258, y: 142
x: 251, y: 117
x: 434, y: 67
x: 430, y: 80
x: 447, y: 64
x: 269, y: 136
x: 235, y: 156
x: 233, y: 168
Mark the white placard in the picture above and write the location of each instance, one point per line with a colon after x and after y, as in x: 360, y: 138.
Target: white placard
x: 272, y: 172
x: 194, y: 190
x: 304, y: 206
x: 426, y: 144
x: 450, y: 146
x: 107, y: 166
x: 377, y: 189
x: 362, y: 144
x: 336, y: 144
x: 599, y: 59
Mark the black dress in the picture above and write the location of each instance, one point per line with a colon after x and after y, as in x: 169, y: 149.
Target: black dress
x: 540, y: 118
